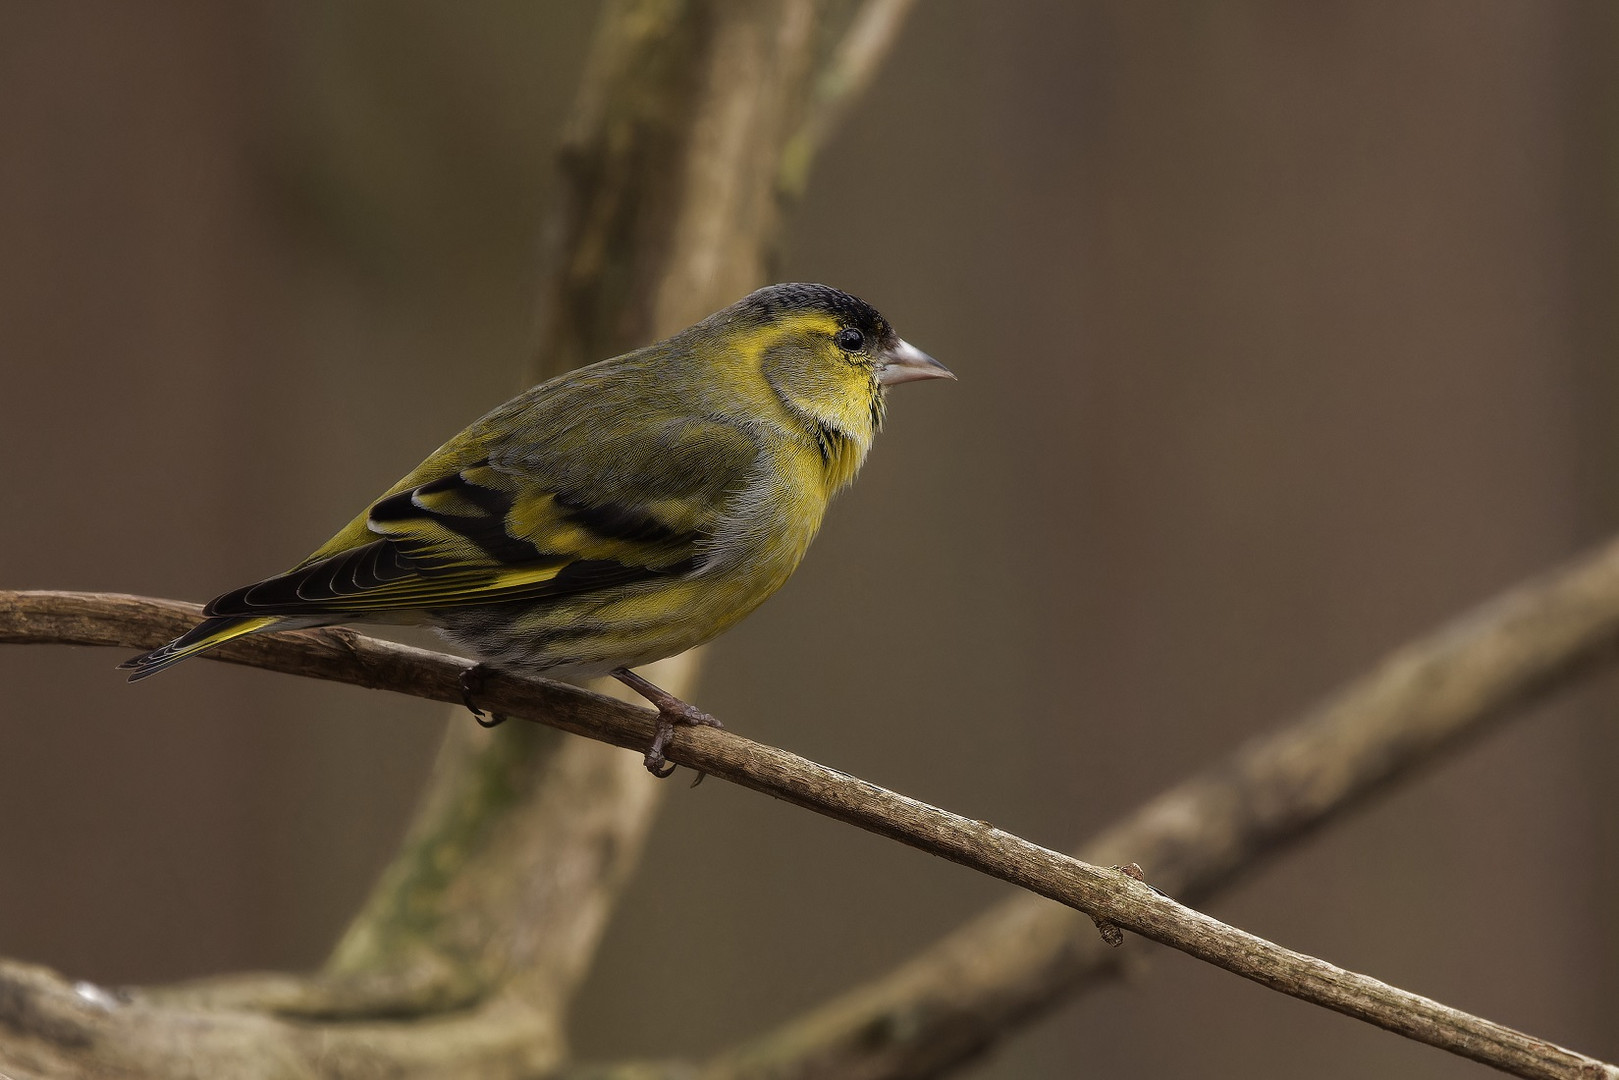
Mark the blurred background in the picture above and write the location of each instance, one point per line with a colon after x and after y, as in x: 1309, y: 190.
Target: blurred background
x: 1284, y: 333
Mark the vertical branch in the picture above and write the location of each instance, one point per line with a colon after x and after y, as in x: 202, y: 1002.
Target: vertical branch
x: 671, y: 209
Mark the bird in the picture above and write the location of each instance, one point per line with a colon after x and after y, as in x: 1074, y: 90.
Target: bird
x: 617, y: 514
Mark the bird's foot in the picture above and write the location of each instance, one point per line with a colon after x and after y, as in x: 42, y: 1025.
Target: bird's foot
x: 671, y: 711
x: 682, y: 713
x: 472, y: 680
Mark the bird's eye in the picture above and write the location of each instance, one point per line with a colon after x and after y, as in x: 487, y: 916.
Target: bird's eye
x: 849, y: 339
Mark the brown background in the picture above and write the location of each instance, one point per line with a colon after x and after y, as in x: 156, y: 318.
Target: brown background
x: 1284, y: 332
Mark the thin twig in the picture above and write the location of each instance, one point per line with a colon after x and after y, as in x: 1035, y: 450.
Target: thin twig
x: 849, y: 69
x: 1100, y: 893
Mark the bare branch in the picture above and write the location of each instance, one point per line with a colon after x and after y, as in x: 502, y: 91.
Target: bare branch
x: 849, y: 70
x: 1103, y: 894
x: 333, y: 653
x: 76, y: 1031
x: 983, y: 981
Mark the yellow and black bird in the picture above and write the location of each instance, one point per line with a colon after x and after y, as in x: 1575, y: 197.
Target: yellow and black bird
x: 615, y: 515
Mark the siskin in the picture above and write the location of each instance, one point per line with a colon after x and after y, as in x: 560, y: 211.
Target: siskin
x: 618, y: 514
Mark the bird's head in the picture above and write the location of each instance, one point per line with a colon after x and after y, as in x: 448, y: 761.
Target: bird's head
x: 828, y: 356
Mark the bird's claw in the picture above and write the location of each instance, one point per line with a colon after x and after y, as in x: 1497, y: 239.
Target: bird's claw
x: 655, y: 762
x: 472, y: 680
x: 670, y: 714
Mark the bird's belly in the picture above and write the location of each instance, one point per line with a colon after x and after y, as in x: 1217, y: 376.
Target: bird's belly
x: 592, y: 635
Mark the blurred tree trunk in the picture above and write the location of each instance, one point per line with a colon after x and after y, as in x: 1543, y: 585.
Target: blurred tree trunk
x: 486, y: 922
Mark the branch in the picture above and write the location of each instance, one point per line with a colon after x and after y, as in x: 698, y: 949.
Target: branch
x: 344, y: 656
x: 848, y: 71
x: 668, y: 211
x: 77, y: 1031
x: 1001, y: 970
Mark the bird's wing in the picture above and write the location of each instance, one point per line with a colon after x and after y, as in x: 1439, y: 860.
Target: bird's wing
x: 527, y: 521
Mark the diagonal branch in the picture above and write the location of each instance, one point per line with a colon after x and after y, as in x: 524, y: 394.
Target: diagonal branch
x: 849, y: 69
x: 1104, y: 895
x: 985, y: 980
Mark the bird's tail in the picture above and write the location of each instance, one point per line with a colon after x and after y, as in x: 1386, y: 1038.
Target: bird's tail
x: 200, y: 638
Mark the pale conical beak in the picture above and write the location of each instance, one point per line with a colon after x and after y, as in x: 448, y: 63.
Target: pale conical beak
x: 906, y: 363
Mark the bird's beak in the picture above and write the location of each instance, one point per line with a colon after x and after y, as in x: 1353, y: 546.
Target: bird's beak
x: 906, y: 363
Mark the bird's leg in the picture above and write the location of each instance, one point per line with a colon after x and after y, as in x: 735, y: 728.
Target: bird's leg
x: 471, y: 685
x: 671, y: 711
